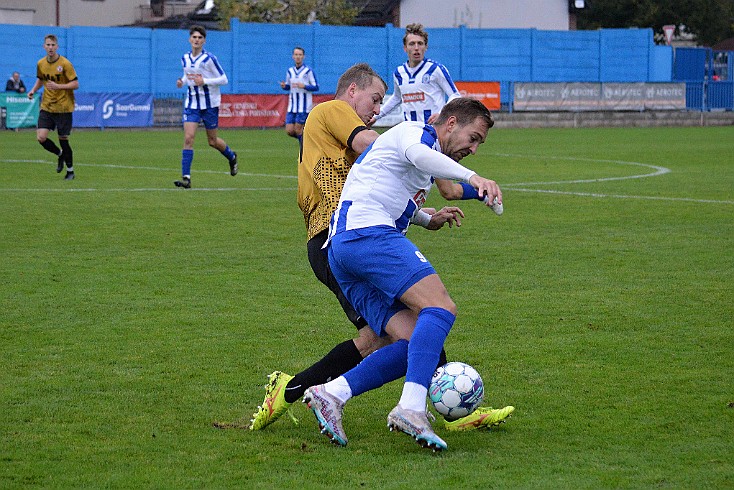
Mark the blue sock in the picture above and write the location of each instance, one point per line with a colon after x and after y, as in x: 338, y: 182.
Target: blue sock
x: 425, y: 346
x: 380, y: 367
x: 228, y: 153
x: 187, y: 156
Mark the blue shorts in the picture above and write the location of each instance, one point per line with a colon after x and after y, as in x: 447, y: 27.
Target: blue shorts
x: 374, y: 267
x: 209, y: 116
x: 296, y: 117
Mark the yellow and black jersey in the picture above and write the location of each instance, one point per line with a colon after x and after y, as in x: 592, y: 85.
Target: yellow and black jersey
x: 60, y: 71
x: 326, y: 160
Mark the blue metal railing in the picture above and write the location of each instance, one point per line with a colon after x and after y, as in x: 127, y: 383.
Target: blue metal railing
x: 710, y: 95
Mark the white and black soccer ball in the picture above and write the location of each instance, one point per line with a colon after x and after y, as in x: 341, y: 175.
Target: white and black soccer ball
x: 456, y: 390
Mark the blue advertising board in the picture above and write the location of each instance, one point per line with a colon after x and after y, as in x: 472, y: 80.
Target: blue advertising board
x: 113, y: 110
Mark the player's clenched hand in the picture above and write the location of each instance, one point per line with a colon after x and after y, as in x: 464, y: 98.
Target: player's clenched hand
x: 197, y: 78
x: 486, y: 188
x: 448, y: 214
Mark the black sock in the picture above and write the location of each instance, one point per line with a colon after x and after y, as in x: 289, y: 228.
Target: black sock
x: 51, y: 147
x: 442, y: 359
x: 341, y: 359
x: 68, y: 154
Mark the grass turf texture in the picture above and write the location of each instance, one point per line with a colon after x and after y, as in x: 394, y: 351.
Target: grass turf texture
x: 134, y: 315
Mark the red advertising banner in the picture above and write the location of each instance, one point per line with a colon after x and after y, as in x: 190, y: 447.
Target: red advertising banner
x: 488, y: 93
x: 252, y: 111
x: 257, y: 110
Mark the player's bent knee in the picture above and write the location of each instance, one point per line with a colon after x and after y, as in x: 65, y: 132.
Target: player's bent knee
x: 451, y: 307
x: 367, y: 342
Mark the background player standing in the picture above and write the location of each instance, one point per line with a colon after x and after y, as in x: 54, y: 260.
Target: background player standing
x: 301, y: 81
x: 420, y: 84
x: 58, y: 77
x: 203, y: 75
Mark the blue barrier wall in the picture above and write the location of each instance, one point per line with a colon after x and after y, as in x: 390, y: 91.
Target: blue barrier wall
x: 255, y: 56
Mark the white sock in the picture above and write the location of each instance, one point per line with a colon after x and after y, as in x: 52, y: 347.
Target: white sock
x: 339, y: 388
x: 414, y: 397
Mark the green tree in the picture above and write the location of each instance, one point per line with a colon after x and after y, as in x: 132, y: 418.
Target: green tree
x: 333, y: 12
x: 709, y: 20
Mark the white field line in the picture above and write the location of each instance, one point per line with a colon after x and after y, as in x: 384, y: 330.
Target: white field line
x: 518, y: 186
x: 621, y: 196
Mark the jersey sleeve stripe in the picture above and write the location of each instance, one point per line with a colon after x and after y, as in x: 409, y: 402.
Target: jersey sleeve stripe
x: 356, y: 131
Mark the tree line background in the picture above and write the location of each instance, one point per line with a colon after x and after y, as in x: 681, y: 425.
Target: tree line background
x: 710, y: 21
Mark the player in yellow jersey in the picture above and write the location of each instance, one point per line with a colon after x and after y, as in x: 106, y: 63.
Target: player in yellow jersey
x: 334, y: 135
x: 57, y: 76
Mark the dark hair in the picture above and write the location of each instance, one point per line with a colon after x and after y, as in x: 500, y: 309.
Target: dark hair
x: 466, y: 110
x: 302, y: 50
x: 200, y: 29
x: 360, y: 74
x: 416, y: 29
x: 51, y: 37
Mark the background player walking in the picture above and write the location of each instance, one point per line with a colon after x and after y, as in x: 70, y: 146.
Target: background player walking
x: 58, y: 77
x: 300, y: 80
x: 202, y: 76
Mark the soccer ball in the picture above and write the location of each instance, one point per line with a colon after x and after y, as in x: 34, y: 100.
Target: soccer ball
x: 456, y: 390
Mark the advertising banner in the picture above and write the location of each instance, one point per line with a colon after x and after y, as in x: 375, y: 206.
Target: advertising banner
x: 20, y: 111
x: 599, y: 96
x: 126, y: 110
x: 488, y: 93
x: 252, y: 111
x: 665, y: 96
x: 623, y: 96
x: 113, y: 110
x: 85, y: 110
x: 257, y: 110
x: 557, y: 97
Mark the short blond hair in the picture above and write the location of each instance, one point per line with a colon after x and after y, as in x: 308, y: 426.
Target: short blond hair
x: 361, y: 75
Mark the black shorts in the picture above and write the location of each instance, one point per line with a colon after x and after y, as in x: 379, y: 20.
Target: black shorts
x: 60, y: 121
x: 320, y: 266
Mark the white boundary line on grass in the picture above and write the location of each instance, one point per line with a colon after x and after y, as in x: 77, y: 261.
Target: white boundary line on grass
x: 512, y: 186
x: 658, y: 170
x: 621, y: 196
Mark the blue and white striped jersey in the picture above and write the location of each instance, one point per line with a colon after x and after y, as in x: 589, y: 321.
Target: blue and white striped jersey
x: 390, y: 181
x: 300, y: 99
x: 207, y: 95
x: 422, y: 90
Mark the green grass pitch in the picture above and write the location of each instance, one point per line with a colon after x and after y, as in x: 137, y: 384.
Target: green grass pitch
x: 134, y: 314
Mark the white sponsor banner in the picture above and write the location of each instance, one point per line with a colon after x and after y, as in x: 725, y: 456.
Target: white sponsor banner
x: 599, y: 96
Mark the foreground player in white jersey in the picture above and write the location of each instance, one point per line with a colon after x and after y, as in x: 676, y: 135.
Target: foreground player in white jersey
x: 421, y: 85
x: 202, y: 76
x: 385, y: 276
x: 300, y: 80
